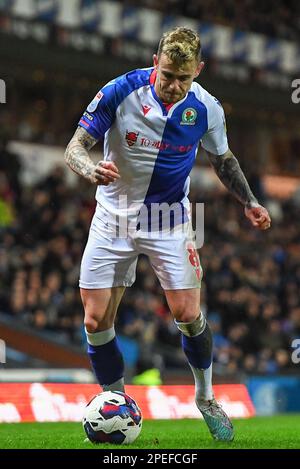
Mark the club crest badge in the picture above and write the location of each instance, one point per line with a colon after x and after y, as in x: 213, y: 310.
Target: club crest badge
x: 189, y: 116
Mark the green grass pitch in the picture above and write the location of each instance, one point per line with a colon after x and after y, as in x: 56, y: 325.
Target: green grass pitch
x: 281, y: 431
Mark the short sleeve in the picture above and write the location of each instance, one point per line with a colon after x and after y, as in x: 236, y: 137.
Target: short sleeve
x: 100, y: 113
x: 215, y: 138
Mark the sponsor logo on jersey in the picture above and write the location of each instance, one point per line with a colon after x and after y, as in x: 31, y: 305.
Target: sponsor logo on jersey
x: 163, y: 146
x: 189, y: 116
x: 88, y: 116
x: 93, y: 104
x: 146, y: 109
x: 131, y: 138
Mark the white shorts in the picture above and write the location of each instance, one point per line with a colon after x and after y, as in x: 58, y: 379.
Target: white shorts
x: 110, y: 261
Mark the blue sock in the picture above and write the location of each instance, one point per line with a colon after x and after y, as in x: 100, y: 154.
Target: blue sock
x: 105, y: 357
x: 198, y: 349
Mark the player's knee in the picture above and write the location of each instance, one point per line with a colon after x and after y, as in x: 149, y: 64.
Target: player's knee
x: 93, y: 315
x: 91, y: 324
x: 95, y: 323
x: 185, y: 314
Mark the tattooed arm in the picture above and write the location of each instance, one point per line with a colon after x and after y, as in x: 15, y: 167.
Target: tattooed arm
x: 78, y: 159
x: 230, y: 173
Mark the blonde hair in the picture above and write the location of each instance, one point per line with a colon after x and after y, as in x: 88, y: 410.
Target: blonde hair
x: 180, y: 45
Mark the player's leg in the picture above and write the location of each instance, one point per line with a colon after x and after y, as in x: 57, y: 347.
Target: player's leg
x: 196, y: 337
x: 197, y: 344
x: 107, y: 268
x: 100, y: 307
x: 176, y: 263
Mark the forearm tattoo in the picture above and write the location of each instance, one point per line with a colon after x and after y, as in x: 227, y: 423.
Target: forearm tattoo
x: 77, y: 154
x: 230, y: 173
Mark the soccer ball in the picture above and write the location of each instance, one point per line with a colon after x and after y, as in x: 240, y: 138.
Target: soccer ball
x: 112, y: 417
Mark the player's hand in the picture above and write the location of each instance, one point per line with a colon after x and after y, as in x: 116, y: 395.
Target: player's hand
x: 258, y: 216
x: 105, y: 173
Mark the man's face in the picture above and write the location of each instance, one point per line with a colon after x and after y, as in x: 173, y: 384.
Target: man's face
x: 174, y: 81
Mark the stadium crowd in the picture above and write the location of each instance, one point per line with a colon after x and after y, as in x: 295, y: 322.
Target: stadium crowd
x: 250, y: 291
x: 276, y: 19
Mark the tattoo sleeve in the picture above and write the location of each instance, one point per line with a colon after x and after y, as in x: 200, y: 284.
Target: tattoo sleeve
x: 230, y: 173
x: 77, y: 154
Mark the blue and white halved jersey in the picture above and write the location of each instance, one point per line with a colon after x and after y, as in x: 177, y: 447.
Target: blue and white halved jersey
x: 154, y: 147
